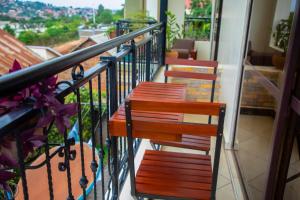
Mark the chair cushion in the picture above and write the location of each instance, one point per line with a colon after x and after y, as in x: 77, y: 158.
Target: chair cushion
x: 168, y: 174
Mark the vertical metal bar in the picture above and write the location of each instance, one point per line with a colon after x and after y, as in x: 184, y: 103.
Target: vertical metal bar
x: 112, y: 71
x: 118, y: 31
x: 133, y: 61
x: 148, y: 60
x: 163, y: 19
x: 145, y: 61
x: 119, y: 82
x: 218, y: 29
x: 48, y: 163
x: 130, y: 147
x: 21, y: 163
x: 94, y: 164
x: 217, y: 152
x: 101, y: 150
x: 212, y: 94
x: 67, y: 165
x: 128, y: 73
x: 140, y: 62
x: 83, y: 180
x: 124, y: 77
x: 166, y: 78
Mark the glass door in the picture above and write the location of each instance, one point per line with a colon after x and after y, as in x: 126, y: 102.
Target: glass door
x: 259, y: 100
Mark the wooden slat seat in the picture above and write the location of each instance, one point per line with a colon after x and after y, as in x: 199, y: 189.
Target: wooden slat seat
x: 177, y: 175
x: 169, y: 175
x: 189, y: 142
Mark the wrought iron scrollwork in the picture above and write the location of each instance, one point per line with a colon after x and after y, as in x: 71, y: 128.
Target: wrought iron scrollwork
x: 77, y: 75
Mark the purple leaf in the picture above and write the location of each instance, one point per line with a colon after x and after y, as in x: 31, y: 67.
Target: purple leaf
x: 4, y: 177
x: 15, y: 67
x: 7, y: 161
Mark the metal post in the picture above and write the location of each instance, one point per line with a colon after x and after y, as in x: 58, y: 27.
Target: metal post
x: 166, y: 78
x: 148, y: 60
x: 130, y: 147
x: 118, y: 31
x: 163, y: 19
x: 217, y: 152
x: 133, y: 71
x: 113, y: 105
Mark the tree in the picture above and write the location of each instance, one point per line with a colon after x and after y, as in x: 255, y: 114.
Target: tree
x: 100, y: 9
x: 105, y: 17
x: 119, y: 14
x: 201, y: 8
x: 9, y: 30
x: 28, y: 37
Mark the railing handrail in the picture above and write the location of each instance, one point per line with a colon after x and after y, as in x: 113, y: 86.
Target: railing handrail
x: 142, y: 21
x: 13, y: 82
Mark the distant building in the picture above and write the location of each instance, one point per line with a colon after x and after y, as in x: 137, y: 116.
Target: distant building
x: 46, y: 53
x: 11, y: 49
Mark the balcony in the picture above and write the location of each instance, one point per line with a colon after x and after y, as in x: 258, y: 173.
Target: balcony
x: 72, y: 158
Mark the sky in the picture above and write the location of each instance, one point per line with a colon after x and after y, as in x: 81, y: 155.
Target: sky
x: 111, y: 4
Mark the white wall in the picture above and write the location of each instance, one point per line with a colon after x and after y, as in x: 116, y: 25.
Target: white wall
x: 203, y: 50
x: 153, y: 8
x: 261, y: 24
x: 177, y: 7
x: 230, y: 57
x: 132, y: 7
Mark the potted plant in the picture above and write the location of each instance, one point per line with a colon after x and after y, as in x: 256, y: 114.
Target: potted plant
x: 281, y: 36
x: 111, y: 32
x: 172, y: 33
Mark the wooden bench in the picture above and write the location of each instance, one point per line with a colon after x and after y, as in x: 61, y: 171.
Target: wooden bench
x: 166, y: 175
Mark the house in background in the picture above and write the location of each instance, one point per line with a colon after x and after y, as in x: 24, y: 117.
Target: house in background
x: 12, y: 49
x: 46, y: 53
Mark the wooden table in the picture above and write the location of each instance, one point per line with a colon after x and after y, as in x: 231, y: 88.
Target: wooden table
x: 159, y: 91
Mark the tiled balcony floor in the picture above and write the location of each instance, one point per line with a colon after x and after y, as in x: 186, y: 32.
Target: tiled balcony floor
x: 227, y: 187
x: 254, y: 136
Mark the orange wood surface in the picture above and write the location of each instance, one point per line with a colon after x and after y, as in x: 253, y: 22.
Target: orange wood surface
x: 172, y: 127
x: 193, y: 75
x: 37, y: 179
x: 165, y: 92
x: 150, y: 90
x: 189, y: 142
x: 175, y: 106
x: 175, y: 175
x: 199, y: 63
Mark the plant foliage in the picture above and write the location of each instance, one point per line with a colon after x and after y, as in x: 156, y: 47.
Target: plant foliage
x: 282, y: 33
x: 173, y: 30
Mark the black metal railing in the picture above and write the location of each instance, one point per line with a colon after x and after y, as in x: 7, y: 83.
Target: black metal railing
x: 97, y: 92
x: 125, y: 26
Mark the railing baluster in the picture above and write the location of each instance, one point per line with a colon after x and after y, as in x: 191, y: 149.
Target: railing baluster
x: 67, y: 166
x: 133, y: 61
x: 148, y: 60
x: 124, y: 77
x: 101, y: 149
x: 112, y: 71
x: 83, y: 180
x: 21, y: 163
x: 119, y: 82
x: 48, y: 163
x: 94, y: 164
